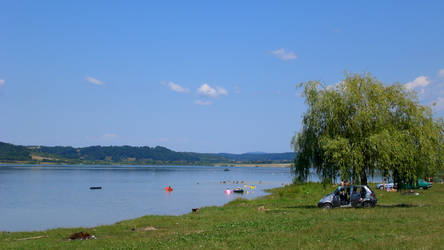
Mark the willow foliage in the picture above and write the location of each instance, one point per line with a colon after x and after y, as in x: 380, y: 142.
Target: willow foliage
x: 361, y: 126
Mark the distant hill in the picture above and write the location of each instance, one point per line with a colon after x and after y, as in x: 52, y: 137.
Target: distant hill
x: 119, y: 154
x: 256, y: 152
x: 258, y: 156
x: 130, y: 154
x: 10, y: 152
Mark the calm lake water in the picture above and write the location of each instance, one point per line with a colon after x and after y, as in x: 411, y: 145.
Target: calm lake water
x: 43, y: 197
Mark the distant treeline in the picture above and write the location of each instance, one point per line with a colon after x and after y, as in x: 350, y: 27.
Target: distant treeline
x: 10, y: 152
x: 254, y: 157
x: 118, y: 153
x: 144, y: 155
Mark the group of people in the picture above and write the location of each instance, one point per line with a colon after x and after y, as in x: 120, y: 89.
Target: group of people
x: 344, y: 192
x: 387, y: 187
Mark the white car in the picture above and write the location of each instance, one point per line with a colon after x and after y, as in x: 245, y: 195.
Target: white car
x: 386, y: 185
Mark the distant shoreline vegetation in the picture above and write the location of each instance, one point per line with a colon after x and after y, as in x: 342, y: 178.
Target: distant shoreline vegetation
x: 130, y: 155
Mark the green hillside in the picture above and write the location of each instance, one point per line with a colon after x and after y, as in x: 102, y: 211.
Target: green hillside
x: 10, y: 152
x: 130, y: 155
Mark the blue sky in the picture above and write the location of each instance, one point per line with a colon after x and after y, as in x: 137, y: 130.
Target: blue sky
x: 200, y: 76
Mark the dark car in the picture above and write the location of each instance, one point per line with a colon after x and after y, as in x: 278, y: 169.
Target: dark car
x: 349, y: 196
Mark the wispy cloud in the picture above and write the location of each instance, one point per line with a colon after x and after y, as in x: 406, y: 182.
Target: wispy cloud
x: 236, y: 90
x: 203, y: 102
x: 284, y: 55
x: 207, y: 90
x: 438, y: 104
x: 441, y: 73
x: 420, y: 81
x: 109, y: 136
x: 176, y: 87
x: 2, y: 82
x: 221, y: 91
x: 94, y: 80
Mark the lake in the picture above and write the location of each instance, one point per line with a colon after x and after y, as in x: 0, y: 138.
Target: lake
x: 43, y: 197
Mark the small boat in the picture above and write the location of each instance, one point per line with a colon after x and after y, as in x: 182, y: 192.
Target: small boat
x: 226, y: 169
x: 96, y: 187
x: 238, y: 190
x: 169, y: 189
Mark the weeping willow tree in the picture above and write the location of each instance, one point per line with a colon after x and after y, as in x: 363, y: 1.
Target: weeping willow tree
x: 360, y: 127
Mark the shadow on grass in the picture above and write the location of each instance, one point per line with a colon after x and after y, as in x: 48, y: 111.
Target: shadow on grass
x: 397, y: 205
x: 304, y: 206
x: 384, y: 206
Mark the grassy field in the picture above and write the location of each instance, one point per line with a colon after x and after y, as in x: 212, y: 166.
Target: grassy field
x: 289, y: 219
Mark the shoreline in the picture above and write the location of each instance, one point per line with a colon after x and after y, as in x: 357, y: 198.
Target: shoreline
x: 283, y: 219
x: 249, y: 165
x: 252, y: 165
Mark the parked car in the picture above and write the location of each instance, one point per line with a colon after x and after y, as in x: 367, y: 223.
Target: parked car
x: 349, y: 196
x: 421, y: 184
x: 382, y: 186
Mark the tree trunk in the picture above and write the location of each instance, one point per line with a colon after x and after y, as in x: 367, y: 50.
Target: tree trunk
x: 363, y: 177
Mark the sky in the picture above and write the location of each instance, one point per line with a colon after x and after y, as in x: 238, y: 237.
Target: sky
x: 200, y: 76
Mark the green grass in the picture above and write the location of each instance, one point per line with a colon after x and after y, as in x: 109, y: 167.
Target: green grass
x: 290, y: 220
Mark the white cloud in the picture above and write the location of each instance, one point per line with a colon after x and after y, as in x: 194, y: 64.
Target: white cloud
x: 203, y: 102
x: 2, y: 82
x: 176, y: 87
x: 420, y: 81
x: 430, y: 90
x: 284, y: 55
x: 207, y: 90
x: 438, y: 104
x: 93, y: 80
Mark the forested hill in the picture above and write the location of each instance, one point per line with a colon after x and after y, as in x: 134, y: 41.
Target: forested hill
x: 253, y: 157
x: 129, y: 154
x: 119, y: 154
x: 10, y: 152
